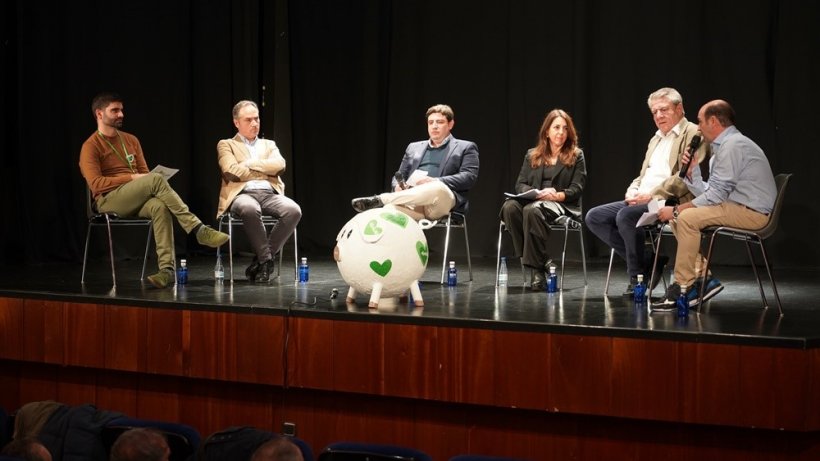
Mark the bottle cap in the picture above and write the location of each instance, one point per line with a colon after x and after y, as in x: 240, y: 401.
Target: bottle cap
x: 304, y: 260
x: 552, y: 269
x: 640, y: 277
x: 452, y: 264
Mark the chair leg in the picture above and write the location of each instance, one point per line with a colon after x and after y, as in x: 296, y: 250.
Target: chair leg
x: 467, y: 246
x: 654, y: 264
x: 705, y: 272
x: 771, y: 278
x: 446, y: 248
x: 583, y: 255
x: 609, y: 271
x: 147, y: 245
x: 754, y: 269
x: 230, y: 247
x: 563, y: 256
x: 295, y: 256
x: 111, y: 251
x: 85, y: 252
x: 498, y: 253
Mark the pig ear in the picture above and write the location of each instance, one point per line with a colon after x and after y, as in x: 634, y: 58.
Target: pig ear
x: 426, y: 224
x: 371, y: 231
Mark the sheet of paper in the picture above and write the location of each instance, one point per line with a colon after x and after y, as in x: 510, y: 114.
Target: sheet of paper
x: 164, y: 171
x: 651, y: 216
x: 415, y: 176
x: 529, y: 195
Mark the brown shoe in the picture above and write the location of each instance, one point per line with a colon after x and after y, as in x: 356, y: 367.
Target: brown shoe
x: 162, y: 279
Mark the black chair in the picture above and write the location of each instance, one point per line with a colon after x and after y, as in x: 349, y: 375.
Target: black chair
x: 454, y: 219
x: 183, y: 440
x: 565, y: 224
x: 654, y: 233
x: 757, y: 237
x: 109, y: 220
x: 357, y: 451
x: 230, y: 220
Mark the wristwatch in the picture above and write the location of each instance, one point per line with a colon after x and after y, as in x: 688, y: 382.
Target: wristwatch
x: 675, y: 212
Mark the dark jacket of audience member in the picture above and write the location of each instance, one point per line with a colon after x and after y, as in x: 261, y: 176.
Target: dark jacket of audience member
x: 73, y: 433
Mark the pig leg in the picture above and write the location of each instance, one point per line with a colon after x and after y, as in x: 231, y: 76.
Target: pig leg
x: 375, y: 295
x: 414, y: 290
x: 351, y: 296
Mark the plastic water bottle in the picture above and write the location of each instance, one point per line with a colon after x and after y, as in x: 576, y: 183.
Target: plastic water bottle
x: 452, y: 275
x: 502, y: 273
x: 639, y: 293
x: 552, y: 281
x: 304, y: 271
x: 182, y: 272
x: 682, y: 303
x: 219, y: 270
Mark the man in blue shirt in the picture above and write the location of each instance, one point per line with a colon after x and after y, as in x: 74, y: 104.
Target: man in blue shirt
x: 740, y: 193
x: 450, y: 169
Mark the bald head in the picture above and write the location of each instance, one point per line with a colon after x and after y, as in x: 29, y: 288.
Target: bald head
x: 140, y: 444
x: 714, y: 117
x: 278, y: 449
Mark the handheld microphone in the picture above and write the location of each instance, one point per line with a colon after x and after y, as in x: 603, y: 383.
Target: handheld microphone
x: 693, y: 146
x: 400, y: 180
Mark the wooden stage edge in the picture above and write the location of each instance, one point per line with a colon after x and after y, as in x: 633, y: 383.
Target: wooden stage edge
x: 443, y: 389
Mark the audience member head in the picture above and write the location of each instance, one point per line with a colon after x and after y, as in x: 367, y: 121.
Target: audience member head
x: 278, y: 449
x: 28, y: 449
x: 140, y: 444
x: 666, y: 106
x: 714, y: 117
x: 557, y: 133
x: 439, y: 123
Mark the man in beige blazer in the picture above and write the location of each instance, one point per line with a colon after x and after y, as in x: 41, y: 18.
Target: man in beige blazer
x: 251, y: 187
x: 614, y: 223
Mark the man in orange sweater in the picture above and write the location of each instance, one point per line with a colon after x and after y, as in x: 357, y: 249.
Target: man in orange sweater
x: 114, y: 167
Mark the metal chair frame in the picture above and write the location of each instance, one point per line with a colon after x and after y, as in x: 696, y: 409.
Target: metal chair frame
x: 449, y: 223
x: 231, y: 220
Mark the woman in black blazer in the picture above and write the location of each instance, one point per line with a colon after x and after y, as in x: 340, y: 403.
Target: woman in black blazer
x: 555, y: 173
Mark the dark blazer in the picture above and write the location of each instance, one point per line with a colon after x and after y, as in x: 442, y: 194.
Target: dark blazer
x: 459, y: 167
x: 569, y: 180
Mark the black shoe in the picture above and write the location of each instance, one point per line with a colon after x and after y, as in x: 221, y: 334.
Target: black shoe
x: 365, y: 203
x: 663, y: 260
x: 667, y: 303
x: 265, y: 271
x: 252, y: 270
x: 630, y: 289
x: 539, y: 280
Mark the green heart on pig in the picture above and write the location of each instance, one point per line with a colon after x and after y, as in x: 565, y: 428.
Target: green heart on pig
x: 381, y: 268
x: 372, y: 228
x: 421, y: 249
x: 399, y: 219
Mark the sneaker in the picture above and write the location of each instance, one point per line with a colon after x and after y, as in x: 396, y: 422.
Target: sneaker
x: 210, y: 238
x: 365, y: 203
x: 667, y: 303
x: 630, y: 289
x: 713, y: 287
x: 163, y: 278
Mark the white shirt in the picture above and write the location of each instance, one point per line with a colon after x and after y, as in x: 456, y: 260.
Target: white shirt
x: 254, y: 150
x: 658, y: 169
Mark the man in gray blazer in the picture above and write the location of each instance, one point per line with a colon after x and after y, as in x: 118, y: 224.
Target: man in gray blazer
x: 451, y: 167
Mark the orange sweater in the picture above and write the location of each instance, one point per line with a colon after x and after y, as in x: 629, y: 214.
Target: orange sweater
x: 105, y: 170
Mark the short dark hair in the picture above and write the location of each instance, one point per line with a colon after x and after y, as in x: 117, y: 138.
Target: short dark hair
x: 442, y: 109
x: 102, y: 100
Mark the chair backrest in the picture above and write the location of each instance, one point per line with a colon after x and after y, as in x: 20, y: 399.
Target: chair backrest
x: 183, y: 440
x: 780, y: 181
x: 356, y: 451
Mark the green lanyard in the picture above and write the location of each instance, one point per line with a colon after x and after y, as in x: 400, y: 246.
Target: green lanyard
x: 127, y: 158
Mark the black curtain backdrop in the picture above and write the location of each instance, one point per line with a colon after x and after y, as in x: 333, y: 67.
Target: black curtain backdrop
x: 343, y: 87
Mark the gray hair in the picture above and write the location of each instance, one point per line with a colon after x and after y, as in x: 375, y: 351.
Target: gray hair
x: 669, y: 94
x: 240, y: 105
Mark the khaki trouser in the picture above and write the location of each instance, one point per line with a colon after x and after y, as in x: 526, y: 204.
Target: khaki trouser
x: 689, y: 224
x: 431, y: 200
x: 152, y: 197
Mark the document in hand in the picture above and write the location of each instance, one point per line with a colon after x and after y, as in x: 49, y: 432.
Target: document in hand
x: 164, y: 171
x: 531, y: 194
x: 415, y: 176
x: 651, y: 216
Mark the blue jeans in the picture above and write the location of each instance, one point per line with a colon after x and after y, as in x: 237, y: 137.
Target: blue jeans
x: 614, y: 223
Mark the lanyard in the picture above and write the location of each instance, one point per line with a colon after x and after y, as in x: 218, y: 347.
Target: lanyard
x: 127, y: 158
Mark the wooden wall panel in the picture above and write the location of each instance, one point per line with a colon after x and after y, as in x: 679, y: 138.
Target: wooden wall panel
x: 260, y: 340
x: 159, y: 397
x: 310, y: 355
x: 117, y: 392
x: 76, y: 386
x: 44, y: 326
x: 774, y: 379
x: 641, y: 391
x: 211, y: 406
x: 358, y: 364
x: 12, y: 328
x: 164, y: 344
x: 717, y: 389
x: 125, y: 338
x: 581, y: 373
x: 213, y: 337
x: 521, y: 370
x: 476, y: 367
x: 409, y: 361
x: 449, y: 380
x: 38, y: 382
x: 9, y: 383
x: 813, y: 399
x: 84, y: 333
